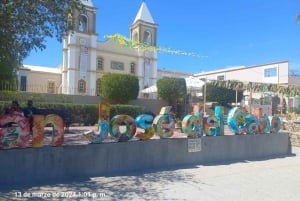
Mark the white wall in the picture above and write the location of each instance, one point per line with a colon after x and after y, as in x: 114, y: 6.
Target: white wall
x: 251, y: 74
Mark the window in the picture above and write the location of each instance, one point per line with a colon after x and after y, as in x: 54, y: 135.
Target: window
x: 147, y: 38
x: 270, y: 72
x: 82, y: 26
x: 98, y: 87
x: 221, y: 77
x: 81, y: 86
x: 51, y: 87
x: 135, y: 37
x: 100, y: 63
x: 23, y: 84
x: 145, y: 95
x: 132, y: 68
x: 117, y: 65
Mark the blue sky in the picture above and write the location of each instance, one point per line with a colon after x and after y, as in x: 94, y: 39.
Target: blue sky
x: 227, y: 33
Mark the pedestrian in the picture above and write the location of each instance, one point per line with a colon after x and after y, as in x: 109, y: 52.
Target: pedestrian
x: 14, y: 109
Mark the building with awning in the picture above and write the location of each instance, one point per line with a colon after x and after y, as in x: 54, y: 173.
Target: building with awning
x: 259, y: 82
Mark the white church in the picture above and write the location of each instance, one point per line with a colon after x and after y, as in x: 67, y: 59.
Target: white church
x: 86, y: 60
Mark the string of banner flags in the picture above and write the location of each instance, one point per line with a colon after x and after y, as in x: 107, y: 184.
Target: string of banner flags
x: 288, y: 90
x: 126, y: 42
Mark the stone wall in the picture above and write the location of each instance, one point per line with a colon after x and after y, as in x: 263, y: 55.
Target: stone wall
x: 295, y: 138
x: 294, y: 132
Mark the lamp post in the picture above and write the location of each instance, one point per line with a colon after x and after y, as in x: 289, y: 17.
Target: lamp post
x: 204, y: 94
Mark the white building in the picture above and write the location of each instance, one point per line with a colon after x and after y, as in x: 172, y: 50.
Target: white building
x: 272, y: 73
x: 86, y: 60
x: 276, y: 73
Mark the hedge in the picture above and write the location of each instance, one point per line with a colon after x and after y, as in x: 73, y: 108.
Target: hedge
x: 83, y: 114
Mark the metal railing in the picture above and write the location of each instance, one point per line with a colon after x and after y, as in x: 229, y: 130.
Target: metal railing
x: 37, y: 88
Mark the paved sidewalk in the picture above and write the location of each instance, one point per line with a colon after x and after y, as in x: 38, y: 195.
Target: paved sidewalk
x: 263, y: 180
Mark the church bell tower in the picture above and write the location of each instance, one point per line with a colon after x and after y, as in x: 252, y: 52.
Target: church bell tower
x: 79, y: 53
x: 144, y: 31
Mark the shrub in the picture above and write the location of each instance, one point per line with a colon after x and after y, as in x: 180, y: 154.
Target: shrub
x: 86, y: 114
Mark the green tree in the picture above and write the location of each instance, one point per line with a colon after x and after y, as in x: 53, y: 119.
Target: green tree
x: 222, y: 95
x: 172, y: 89
x: 8, y: 76
x: 24, y: 26
x: 119, y: 88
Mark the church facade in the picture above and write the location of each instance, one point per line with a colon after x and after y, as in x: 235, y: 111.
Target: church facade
x: 86, y: 60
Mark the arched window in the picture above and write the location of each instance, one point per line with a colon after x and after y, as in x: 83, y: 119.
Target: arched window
x: 135, y: 36
x: 82, y: 26
x: 81, y: 86
x: 98, y: 87
x: 147, y: 38
x: 132, y: 68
